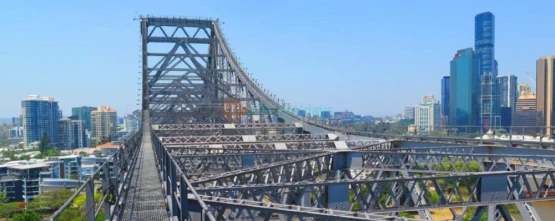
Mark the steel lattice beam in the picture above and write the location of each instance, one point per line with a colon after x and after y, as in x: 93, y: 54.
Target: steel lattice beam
x: 179, y: 140
x: 383, y: 194
x: 231, y: 209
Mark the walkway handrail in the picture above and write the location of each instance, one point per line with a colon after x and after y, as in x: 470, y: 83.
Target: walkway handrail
x: 121, y: 160
x: 171, y: 174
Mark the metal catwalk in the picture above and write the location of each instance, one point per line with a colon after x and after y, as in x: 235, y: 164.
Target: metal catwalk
x: 145, y: 200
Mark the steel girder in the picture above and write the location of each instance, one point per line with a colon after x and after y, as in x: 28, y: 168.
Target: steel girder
x: 452, y: 162
x: 232, y: 209
x: 297, y: 145
x: 206, y: 164
x: 187, y: 127
x: 225, y: 129
x: 298, y: 169
x: 245, y: 138
x: 382, y: 194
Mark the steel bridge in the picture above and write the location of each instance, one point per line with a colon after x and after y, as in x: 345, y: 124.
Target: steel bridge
x: 215, y: 145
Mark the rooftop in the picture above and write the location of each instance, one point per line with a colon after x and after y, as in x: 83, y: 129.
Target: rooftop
x: 104, y: 109
x: 28, y: 166
x: 38, y: 98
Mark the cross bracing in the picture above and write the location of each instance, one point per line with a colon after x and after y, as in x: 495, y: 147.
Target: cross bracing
x: 215, y: 139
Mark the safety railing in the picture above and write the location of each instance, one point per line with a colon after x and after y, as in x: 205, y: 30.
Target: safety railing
x: 183, y: 201
x: 114, y: 174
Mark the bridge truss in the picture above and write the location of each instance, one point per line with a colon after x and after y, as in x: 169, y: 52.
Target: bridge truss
x: 246, y: 161
x: 225, y: 149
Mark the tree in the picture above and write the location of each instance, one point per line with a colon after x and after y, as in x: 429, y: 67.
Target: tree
x: 52, y: 152
x: 27, y: 216
x: 3, y: 197
x: 44, y: 143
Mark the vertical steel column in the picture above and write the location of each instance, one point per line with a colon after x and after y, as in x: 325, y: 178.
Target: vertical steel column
x: 106, y: 188
x: 173, y: 186
x: 89, y: 191
x: 338, y: 194
x: 167, y: 162
x: 183, y: 198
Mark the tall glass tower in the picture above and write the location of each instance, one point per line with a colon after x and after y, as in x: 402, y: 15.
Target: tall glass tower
x: 484, y: 46
x: 484, y: 43
x: 464, y: 88
x: 445, y: 100
x: 40, y: 115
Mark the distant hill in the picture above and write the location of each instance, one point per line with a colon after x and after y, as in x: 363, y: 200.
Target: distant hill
x: 5, y: 120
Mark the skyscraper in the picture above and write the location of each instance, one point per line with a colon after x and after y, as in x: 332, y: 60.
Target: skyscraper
x: 83, y: 113
x: 445, y: 99
x: 508, y: 95
x: 426, y: 115
x: 545, y: 69
x: 39, y: 115
x: 325, y: 115
x: 464, y: 90
x: 484, y: 45
x: 71, y: 134
x: 104, y: 124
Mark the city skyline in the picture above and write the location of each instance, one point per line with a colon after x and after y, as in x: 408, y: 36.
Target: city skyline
x: 111, y: 80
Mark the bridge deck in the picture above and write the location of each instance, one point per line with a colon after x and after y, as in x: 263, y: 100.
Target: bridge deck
x: 145, y: 200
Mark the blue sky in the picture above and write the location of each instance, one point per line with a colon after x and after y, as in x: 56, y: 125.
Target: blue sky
x: 372, y: 57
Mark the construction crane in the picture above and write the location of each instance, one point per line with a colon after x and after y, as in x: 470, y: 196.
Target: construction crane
x: 531, y: 79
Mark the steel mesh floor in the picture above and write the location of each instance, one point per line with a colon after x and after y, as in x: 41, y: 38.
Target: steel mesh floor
x: 145, y: 199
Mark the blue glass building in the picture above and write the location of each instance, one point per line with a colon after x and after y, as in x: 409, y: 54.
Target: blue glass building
x: 484, y: 43
x: 445, y: 95
x: 325, y: 115
x: 464, y: 90
x: 83, y: 113
x: 40, y: 115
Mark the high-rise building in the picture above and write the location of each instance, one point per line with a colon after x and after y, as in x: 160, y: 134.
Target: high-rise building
x: 523, y: 88
x: 71, y: 134
x: 464, y: 90
x: 16, y: 133
x: 325, y: 115
x: 408, y: 113
x: 490, y: 117
x: 104, y: 124
x: 545, y: 69
x: 83, y: 113
x: 426, y: 115
x: 508, y: 91
x: 17, y: 121
x: 508, y: 95
x: 131, y: 123
x: 40, y: 115
x: 525, y: 115
x: 445, y: 99
x: 484, y: 45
